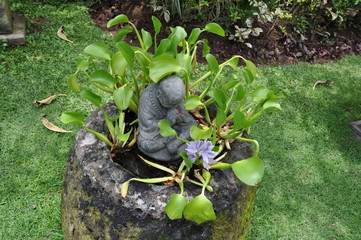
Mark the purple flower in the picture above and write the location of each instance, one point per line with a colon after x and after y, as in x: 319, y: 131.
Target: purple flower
x: 201, y: 149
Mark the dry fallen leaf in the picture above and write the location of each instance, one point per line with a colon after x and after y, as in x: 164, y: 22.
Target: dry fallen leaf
x: 195, y: 113
x: 322, y: 82
x: 61, y: 34
x: 47, y: 100
x: 52, y: 127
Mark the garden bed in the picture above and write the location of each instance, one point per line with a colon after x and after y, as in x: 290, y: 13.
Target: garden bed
x: 271, y: 47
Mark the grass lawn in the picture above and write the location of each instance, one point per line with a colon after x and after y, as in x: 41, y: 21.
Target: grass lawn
x: 313, y: 162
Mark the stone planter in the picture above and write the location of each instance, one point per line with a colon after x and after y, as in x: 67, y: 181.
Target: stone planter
x: 92, y: 207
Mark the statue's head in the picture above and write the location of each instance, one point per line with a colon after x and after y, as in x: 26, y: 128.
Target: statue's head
x: 171, y: 91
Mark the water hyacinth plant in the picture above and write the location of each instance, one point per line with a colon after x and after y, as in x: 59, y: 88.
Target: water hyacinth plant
x: 131, y: 69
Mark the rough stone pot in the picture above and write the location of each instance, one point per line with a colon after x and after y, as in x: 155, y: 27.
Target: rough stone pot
x: 92, y: 207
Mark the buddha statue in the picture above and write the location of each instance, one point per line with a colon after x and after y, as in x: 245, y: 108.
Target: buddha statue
x: 163, y: 100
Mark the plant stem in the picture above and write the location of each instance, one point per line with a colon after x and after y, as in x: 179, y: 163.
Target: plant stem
x: 146, y: 58
x: 161, y: 167
x: 256, y: 151
x: 208, y: 118
x: 209, y: 188
x: 152, y: 180
x: 201, y: 79
x: 135, y: 84
x: 256, y: 115
x: 238, y: 108
x: 138, y: 35
x: 181, y: 139
x: 209, y: 101
x: 221, y: 166
x: 103, y: 88
x: 204, y: 93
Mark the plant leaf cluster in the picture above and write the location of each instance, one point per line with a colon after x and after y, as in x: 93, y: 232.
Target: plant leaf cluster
x: 129, y: 70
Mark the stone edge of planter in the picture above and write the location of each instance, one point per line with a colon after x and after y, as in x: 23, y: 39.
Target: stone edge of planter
x: 92, y: 207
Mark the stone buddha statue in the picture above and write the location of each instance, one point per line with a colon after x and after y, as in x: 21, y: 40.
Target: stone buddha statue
x: 163, y: 100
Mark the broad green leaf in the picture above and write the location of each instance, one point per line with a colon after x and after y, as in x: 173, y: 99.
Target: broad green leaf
x: 220, y: 97
x: 95, y: 99
x: 273, y: 95
x: 147, y: 39
x: 175, y: 206
x: 82, y: 64
x: 198, y: 133
x: 199, y: 210
x: 240, y: 93
x: 186, y: 160
x: 248, y: 76
x: 215, y: 28
x: 156, y: 24
x: 184, y: 61
x: 205, y: 48
x: 121, y: 33
x: 122, y: 97
x: 271, y: 104
x: 249, y: 171
x: 192, y: 102
x: 73, y: 83
x: 118, y: 63
x: 194, y: 36
x: 124, y: 136
x: 118, y: 19
x: 127, y: 52
x: 163, y: 47
x: 178, y: 35
x: 251, y: 67
x: 98, y: 50
x: 162, y: 66
x: 212, y: 63
x: 178, y: 32
x: 72, y: 118
x: 104, y: 78
x: 230, y: 84
x: 260, y: 94
x: 240, y: 121
x: 220, y: 117
x: 165, y: 129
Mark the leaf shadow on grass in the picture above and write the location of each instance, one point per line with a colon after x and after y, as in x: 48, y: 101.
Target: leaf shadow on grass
x: 311, y: 185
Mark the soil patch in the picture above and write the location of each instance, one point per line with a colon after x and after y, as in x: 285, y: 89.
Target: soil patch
x: 272, y: 47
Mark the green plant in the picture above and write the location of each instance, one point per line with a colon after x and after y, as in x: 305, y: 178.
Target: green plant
x: 131, y: 69
x: 4, y: 43
x: 261, y: 15
x: 185, y: 11
x: 305, y: 181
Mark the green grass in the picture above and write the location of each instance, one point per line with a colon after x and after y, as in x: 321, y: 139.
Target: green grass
x: 313, y: 170
x: 311, y: 185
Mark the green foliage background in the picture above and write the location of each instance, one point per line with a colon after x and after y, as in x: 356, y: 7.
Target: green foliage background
x: 311, y: 185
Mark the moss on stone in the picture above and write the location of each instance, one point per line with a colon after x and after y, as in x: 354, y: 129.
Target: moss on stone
x: 240, y: 215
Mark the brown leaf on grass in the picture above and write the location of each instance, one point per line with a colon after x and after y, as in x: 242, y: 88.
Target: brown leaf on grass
x: 61, y: 34
x: 52, y: 127
x: 322, y: 82
x: 47, y: 100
